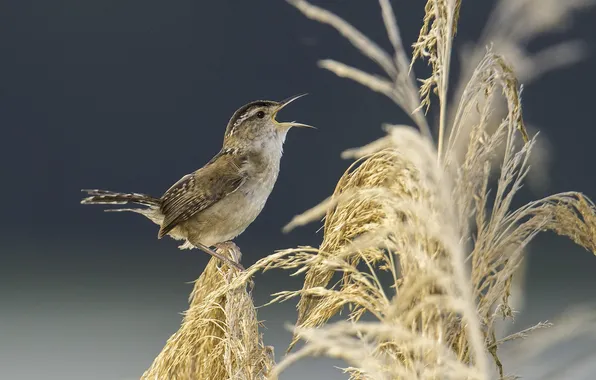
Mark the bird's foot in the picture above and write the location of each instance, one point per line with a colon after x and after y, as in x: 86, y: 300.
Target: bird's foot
x: 229, y: 246
x: 231, y: 250
x: 186, y: 245
x: 227, y: 252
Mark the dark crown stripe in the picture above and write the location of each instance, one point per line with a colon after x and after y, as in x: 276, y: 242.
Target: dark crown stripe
x: 242, y: 110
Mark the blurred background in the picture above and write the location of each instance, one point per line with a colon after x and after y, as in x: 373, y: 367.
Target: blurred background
x: 130, y: 95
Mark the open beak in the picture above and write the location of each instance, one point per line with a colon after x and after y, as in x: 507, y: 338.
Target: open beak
x: 289, y: 124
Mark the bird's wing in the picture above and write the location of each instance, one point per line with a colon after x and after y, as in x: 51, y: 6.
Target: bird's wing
x: 195, y: 192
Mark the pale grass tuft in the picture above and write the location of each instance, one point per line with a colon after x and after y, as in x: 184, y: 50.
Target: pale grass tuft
x: 353, y: 217
x: 357, y: 344
x: 219, y: 337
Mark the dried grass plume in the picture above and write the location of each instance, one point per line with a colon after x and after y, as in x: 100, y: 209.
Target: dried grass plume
x: 219, y: 337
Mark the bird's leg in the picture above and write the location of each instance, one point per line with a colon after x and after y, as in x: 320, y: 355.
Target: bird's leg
x: 208, y: 250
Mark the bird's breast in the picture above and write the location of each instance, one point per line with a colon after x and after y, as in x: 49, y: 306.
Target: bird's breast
x: 259, y: 183
x: 230, y: 216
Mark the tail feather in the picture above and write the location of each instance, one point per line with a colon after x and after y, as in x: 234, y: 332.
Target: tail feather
x: 113, y: 198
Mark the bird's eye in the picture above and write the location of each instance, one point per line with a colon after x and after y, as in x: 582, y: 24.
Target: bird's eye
x: 260, y: 114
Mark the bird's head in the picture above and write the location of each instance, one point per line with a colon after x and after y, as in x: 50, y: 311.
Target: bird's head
x: 255, y: 124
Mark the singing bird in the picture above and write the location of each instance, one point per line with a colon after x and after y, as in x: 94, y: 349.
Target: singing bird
x: 217, y: 202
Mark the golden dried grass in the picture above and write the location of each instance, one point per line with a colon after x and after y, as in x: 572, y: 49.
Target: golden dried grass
x: 417, y: 233
x: 219, y: 336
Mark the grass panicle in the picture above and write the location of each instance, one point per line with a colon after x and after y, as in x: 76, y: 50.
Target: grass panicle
x: 219, y: 337
x: 435, y: 43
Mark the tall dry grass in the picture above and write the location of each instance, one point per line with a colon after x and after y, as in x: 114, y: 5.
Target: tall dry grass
x: 420, y: 234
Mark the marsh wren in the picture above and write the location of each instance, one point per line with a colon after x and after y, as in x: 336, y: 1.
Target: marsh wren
x: 219, y: 201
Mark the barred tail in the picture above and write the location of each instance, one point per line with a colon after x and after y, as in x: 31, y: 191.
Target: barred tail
x: 113, y: 198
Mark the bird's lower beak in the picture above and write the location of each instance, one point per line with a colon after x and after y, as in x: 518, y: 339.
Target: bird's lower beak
x: 289, y: 124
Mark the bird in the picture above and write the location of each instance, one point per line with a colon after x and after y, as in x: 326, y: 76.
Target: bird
x: 216, y: 203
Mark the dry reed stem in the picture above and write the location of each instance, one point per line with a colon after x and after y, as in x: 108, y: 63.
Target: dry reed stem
x: 219, y: 337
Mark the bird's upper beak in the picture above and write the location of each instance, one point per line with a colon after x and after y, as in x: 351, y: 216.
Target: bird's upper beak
x: 288, y: 124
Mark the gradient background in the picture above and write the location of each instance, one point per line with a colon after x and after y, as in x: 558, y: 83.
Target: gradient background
x: 130, y: 95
